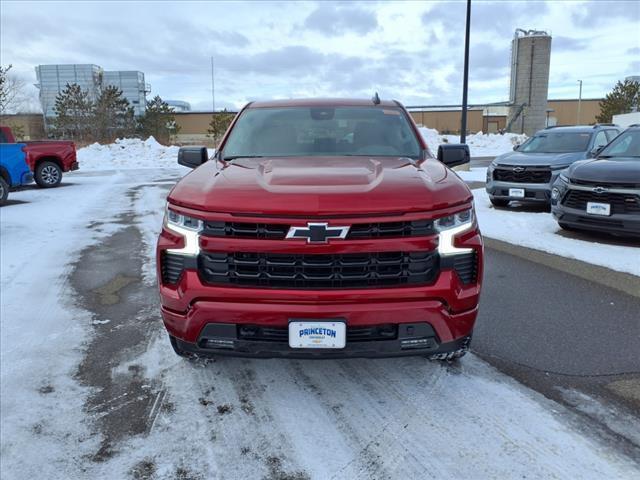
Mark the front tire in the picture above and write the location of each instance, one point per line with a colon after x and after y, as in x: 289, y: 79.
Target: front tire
x: 499, y: 202
x: 566, y: 227
x: 4, y: 191
x: 455, y: 354
x: 48, y: 174
x: 179, y: 351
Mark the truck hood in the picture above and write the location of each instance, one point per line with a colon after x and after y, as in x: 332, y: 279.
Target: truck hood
x: 320, y: 186
x: 607, y: 170
x: 539, y: 159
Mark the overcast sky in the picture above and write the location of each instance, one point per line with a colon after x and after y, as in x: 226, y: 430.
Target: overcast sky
x: 409, y: 51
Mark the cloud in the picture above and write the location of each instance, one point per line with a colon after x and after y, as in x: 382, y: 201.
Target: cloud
x: 336, y: 19
x: 499, y: 17
x: 567, y: 43
x: 594, y: 13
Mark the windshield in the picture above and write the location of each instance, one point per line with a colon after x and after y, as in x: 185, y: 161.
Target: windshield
x: 626, y: 145
x: 322, y: 131
x: 557, y: 142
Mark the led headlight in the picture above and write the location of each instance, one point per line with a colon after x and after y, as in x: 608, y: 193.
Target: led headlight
x: 450, y: 226
x: 564, y: 178
x: 187, y: 227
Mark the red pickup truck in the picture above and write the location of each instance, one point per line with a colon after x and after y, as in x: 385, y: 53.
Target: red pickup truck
x: 46, y: 159
x: 321, y: 229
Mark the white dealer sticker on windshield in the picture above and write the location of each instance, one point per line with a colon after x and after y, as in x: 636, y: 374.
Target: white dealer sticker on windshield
x: 317, y: 334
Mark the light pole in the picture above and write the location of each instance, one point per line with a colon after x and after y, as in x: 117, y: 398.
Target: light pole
x: 465, y: 81
x: 579, y: 102
x: 213, y: 88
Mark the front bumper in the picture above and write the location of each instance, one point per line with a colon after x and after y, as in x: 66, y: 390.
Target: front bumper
x: 400, y: 346
x: 534, y: 192
x: 448, y: 306
x: 619, y: 224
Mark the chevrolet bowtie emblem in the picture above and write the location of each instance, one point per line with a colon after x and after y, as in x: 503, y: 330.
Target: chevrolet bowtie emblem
x: 318, y: 232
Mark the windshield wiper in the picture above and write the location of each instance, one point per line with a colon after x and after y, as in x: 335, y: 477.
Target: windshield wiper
x: 234, y: 157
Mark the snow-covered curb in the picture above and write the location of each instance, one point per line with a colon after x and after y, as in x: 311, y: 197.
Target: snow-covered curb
x: 540, y: 231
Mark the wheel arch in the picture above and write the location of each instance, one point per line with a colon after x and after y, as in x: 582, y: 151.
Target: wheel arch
x: 4, y: 173
x: 48, y: 158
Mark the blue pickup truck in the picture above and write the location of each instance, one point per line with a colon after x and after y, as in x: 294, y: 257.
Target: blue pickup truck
x: 14, y: 170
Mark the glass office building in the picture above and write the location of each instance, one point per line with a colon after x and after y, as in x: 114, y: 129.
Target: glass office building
x: 132, y: 85
x: 52, y: 79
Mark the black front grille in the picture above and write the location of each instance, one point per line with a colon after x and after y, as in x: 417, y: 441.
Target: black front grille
x: 297, y: 271
x: 171, y: 267
x: 620, y: 203
x: 528, y: 175
x: 281, y: 334
x: 271, y: 231
x: 466, y: 266
x: 276, y: 231
x: 391, y: 229
x: 606, y: 185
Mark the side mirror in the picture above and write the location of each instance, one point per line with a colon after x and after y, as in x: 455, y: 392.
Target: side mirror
x: 453, y: 155
x: 516, y: 147
x: 595, y: 151
x: 192, y: 157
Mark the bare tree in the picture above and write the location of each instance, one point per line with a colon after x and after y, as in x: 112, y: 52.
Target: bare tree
x: 12, y: 94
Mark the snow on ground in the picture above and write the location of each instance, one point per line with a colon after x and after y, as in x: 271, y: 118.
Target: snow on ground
x: 540, y: 231
x: 480, y: 144
x: 41, y: 331
x: 473, y: 175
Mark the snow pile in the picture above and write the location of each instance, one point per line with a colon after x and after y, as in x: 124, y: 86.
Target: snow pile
x: 480, y: 144
x: 128, y: 153
x: 540, y: 231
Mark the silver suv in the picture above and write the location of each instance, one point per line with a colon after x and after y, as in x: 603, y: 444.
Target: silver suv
x: 527, y: 173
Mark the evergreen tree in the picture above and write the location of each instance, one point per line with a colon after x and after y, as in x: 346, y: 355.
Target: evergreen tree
x: 74, y: 111
x: 624, y: 97
x: 113, y: 117
x: 159, y: 121
x: 219, y: 123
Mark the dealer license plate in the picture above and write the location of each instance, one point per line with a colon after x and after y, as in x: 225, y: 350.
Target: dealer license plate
x: 516, y: 192
x: 332, y: 334
x: 595, y: 208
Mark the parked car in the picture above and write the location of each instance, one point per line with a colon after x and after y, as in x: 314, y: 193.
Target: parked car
x: 46, y: 159
x: 527, y: 173
x: 14, y: 170
x: 602, y: 194
x: 321, y: 228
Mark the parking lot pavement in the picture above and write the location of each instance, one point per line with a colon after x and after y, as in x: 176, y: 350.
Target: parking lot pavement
x: 564, y: 326
x: 106, y: 397
x: 478, y: 162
